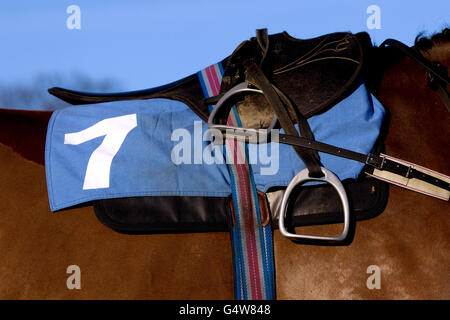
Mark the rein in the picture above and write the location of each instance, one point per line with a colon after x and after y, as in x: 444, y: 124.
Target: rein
x: 436, y: 73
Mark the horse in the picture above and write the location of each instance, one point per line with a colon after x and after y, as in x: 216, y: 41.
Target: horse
x: 409, y: 243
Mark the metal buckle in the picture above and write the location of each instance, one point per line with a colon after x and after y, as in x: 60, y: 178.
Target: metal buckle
x: 239, y: 132
x: 333, y: 180
x: 373, y: 161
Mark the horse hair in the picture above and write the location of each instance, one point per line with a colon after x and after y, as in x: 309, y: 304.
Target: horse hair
x: 425, y: 43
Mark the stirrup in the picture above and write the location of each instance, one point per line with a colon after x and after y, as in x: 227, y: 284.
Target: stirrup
x: 239, y: 132
x: 332, y: 179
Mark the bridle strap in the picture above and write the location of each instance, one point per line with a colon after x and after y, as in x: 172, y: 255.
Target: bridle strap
x: 445, y: 97
x: 437, y: 73
x: 418, y: 57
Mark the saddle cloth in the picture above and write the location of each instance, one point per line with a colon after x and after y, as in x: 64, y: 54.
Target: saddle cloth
x: 125, y: 149
x: 317, y: 74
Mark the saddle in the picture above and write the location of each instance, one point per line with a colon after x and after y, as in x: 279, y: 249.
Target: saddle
x: 312, y: 75
x: 302, y: 87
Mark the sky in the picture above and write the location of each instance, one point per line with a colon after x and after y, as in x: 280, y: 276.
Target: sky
x: 142, y: 44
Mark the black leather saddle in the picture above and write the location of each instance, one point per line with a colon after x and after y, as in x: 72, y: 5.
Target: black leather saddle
x: 314, y: 74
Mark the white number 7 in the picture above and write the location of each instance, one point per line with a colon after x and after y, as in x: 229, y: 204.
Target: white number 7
x: 115, y: 131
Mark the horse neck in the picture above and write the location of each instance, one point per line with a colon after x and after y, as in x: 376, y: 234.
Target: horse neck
x: 418, y: 128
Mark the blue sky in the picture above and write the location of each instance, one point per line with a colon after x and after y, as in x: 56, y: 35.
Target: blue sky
x: 148, y: 43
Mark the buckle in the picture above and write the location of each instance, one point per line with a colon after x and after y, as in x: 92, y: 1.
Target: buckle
x: 376, y: 161
x: 239, y: 132
x: 332, y: 179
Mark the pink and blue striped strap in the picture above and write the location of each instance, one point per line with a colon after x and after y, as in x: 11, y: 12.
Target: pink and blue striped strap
x: 252, y: 243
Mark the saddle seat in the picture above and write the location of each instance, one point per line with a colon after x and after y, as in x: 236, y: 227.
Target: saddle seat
x: 314, y: 73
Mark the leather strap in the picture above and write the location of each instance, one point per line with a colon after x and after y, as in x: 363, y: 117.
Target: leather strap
x: 379, y: 162
x: 437, y: 79
x: 417, y: 56
x: 262, y: 37
x: 275, y: 97
x: 445, y: 97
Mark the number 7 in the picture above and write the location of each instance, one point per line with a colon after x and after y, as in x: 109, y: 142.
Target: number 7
x: 115, y: 131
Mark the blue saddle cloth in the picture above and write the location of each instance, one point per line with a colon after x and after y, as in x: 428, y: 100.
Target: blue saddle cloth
x: 125, y: 149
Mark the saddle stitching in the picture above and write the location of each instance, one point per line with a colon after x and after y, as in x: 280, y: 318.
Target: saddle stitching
x: 319, y: 49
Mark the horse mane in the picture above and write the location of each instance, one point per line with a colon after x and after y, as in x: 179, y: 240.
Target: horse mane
x: 424, y: 43
x: 435, y: 47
